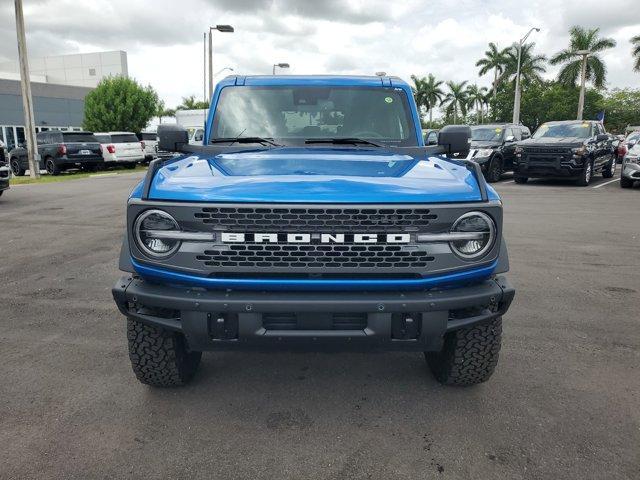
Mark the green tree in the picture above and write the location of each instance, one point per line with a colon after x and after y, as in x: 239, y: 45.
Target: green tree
x: 190, y: 103
x: 635, y: 41
x: 162, y: 111
x: 428, y: 93
x: 531, y: 65
x: 546, y: 101
x: 581, y: 60
x: 622, y: 108
x: 475, y: 99
x: 495, y: 60
x: 456, y: 100
x: 572, y: 61
x: 119, y: 103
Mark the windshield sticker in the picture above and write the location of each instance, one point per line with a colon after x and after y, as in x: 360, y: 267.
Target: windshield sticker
x: 388, y: 99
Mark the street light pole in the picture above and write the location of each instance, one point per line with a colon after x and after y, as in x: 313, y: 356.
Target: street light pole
x: 583, y: 75
x: 220, y: 28
x: 279, y: 65
x: 27, y: 100
x: 516, y: 100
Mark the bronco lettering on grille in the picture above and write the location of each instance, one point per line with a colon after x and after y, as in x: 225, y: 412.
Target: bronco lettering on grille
x: 232, y: 237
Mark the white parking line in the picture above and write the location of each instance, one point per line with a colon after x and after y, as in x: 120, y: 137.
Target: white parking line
x: 607, y: 183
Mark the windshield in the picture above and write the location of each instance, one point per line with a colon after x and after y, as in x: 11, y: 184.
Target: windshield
x: 487, y: 134
x: 559, y: 130
x: 291, y: 115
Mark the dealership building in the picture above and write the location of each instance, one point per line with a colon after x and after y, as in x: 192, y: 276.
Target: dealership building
x: 58, y: 85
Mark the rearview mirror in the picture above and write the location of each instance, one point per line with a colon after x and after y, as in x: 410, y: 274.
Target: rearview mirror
x: 171, y: 137
x: 456, y: 139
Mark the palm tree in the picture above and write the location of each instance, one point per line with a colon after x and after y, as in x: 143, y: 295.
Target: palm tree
x: 428, y: 93
x: 495, y: 60
x: 190, y: 103
x: 531, y: 66
x: 456, y: 99
x: 475, y: 99
x: 161, y: 111
x: 581, y: 60
x: 635, y: 41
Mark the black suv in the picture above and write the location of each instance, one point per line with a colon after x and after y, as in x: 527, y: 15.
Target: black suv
x: 60, y: 151
x: 573, y: 149
x: 493, y: 147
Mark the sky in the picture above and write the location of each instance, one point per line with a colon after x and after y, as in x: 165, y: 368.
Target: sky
x: 164, y: 43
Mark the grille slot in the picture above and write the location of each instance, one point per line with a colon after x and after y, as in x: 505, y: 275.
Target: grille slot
x: 344, y: 256
x: 335, y: 220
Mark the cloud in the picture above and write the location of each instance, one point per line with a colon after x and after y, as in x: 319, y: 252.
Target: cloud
x: 163, y: 39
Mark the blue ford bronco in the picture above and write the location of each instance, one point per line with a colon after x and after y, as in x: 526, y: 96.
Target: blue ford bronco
x: 314, y: 217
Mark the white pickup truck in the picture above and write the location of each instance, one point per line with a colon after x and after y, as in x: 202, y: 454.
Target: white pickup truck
x: 121, y: 148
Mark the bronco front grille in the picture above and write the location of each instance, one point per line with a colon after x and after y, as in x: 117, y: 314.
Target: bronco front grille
x: 344, y: 256
x: 334, y: 220
x: 547, y: 150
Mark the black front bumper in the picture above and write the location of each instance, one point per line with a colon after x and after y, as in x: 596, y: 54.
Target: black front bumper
x: 212, y: 320
x: 556, y: 166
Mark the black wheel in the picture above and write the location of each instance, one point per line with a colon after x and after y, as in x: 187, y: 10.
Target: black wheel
x: 585, y: 176
x: 610, y: 169
x: 626, y: 182
x: 159, y: 357
x: 52, y: 168
x: 16, y: 169
x: 494, y: 172
x: 521, y: 180
x: 469, y: 355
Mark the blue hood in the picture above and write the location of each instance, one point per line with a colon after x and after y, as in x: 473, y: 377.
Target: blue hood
x: 315, y: 175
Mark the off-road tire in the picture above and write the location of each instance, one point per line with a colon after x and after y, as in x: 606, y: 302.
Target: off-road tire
x: 521, y: 180
x: 468, y: 356
x: 610, y: 169
x: 586, y: 175
x: 51, y: 167
x: 16, y: 169
x: 159, y: 357
x: 494, y: 170
x: 626, y: 182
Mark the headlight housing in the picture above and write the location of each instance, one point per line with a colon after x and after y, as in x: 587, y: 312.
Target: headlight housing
x: 148, y: 232
x: 484, y: 152
x: 518, y: 150
x: 629, y: 159
x: 473, y: 222
x: 579, y: 151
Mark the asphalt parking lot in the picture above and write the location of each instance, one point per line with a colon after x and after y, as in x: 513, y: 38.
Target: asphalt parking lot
x: 563, y: 403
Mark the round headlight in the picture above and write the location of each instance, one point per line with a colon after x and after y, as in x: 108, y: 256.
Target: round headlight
x: 481, y: 233
x: 148, y: 230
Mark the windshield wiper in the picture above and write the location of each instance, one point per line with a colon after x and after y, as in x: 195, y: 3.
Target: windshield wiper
x: 232, y: 140
x: 343, y: 141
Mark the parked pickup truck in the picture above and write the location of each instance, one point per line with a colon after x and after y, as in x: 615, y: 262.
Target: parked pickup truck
x: 574, y: 149
x: 60, y: 151
x: 313, y: 217
x: 493, y: 147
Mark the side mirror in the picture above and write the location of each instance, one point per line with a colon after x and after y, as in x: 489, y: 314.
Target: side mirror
x: 171, y: 137
x: 510, y: 138
x: 456, y: 139
x: 602, y: 137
